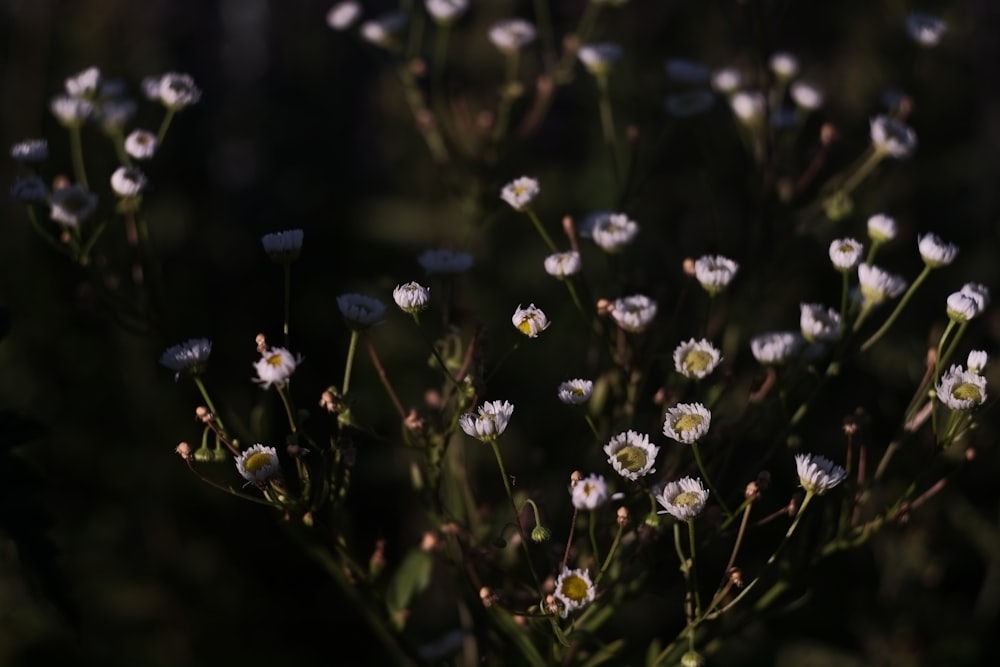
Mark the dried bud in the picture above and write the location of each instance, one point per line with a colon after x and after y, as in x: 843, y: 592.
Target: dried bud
x: 183, y: 450
x: 428, y: 542
x: 604, y: 307
x: 330, y: 401
x: 736, y: 577
x: 827, y: 134
x: 551, y: 604
x: 307, y: 519
x: 688, y: 267
x: 261, y: 343
x: 414, y: 423
x: 970, y: 454
x: 487, y: 597
x: 575, y: 477
x: 752, y: 491
x: 622, y: 516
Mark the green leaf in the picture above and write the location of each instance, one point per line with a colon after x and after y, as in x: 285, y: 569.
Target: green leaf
x: 411, y: 578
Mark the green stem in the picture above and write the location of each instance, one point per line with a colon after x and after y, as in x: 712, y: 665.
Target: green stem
x: 33, y: 218
x: 708, y: 480
x: 611, y: 552
x: 694, y: 576
x: 592, y: 529
x: 517, y: 519
x: 288, y: 299
x: 871, y: 160
x: 76, y: 150
x: 165, y: 125
x: 608, y: 125
x: 289, y: 410
x: 541, y: 230
x: 845, y: 288
x: 211, y: 406
x: 899, y: 308
x: 349, y: 365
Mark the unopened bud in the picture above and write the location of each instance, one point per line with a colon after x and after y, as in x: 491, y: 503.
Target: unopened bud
x: 428, y: 542
x: 752, y: 491
x: 540, y: 534
x: 692, y: 659
x: 736, y: 577
x: 688, y: 267
x: 622, y: 516
x: 827, y: 134
x: 183, y: 450
x: 204, y: 454
x: 261, y: 341
x: 202, y: 414
x: 307, y: 519
x: 575, y: 477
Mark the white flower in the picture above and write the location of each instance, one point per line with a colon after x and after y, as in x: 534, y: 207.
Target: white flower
x: 599, y: 57
x: 695, y: 359
x: 748, y: 105
x: 491, y: 421
x: 128, y: 181
x: 511, y: 35
x: 715, y: 272
x: 977, y: 361
x: 806, y: 95
x: 85, y: 83
x: 925, y: 29
x: 446, y: 12
x: 28, y: 190
x: 360, y: 310
x: 776, y: 347
x: 520, y: 192
x: 72, y: 204
x: 574, y: 590
x: 962, y: 307
x: 174, y: 90
x: 784, y: 65
x: 283, y: 246
x: 633, y: 313
x: 445, y: 261
x: 683, y: 499
x: 979, y: 292
x: 575, y: 392
x: 530, y: 321
x: 589, y: 493
x: 818, y: 474
x: 845, y: 254
x: 141, y: 144
x: 343, y: 15
x: 893, y: 137
x: 411, y: 297
x: 687, y: 71
x: 189, y: 356
x: 878, y: 285
x: 960, y: 389
x: 936, y: 252
x: 881, y: 228
x: 727, y: 80
x: 258, y: 463
x: 819, y: 324
x: 71, y: 111
x: 30, y: 150
x: 689, y: 103
x: 631, y: 454
x: 563, y: 264
x: 613, y: 231
x: 275, y: 366
x: 687, y: 422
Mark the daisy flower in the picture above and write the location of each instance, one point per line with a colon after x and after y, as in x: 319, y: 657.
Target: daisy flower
x: 845, y: 254
x: 575, y: 392
x: 962, y: 307
x: 30, y: 150
x: 695, y: 359
x: 360, y: 310
x: 283, y: 246
x: 128, y: 181
x: 258, y: 464
x: 881, y: 228
x: 683, y: 499
x: 819, y: 324
x: 574, y: 590
x: 614, y: 231
x: 141, y: 144
x: 715, y: 272
x: 925, y: 29
x: 878, y: 285
x: 446, y: 12
x: 520, y: 192
x: 187, y: 357
x: 511, y: 35
x: 687, y: 422
x: 530, y: 321
x: 633, y: 313
x: 893, y: 137
x: 343, y: 15
x: 977, y: 361
x: 776, y: 347
x: 491, y: 421
x: 589, y: 493
x: 935, y: 252
x: 631, y: 454
x: 960, y: 389
x: 806, y: 95
x: 275, y: 366
x: 411, y: 297
x: 817, y: 475
x: 72, y: 204
x: 599, y: 57
x: 563, y: 264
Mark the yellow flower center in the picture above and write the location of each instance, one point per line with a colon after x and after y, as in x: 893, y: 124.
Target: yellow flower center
x: 525, y: 325
x: 257, y: 462
x: 967, y: 392
x: 575, y: 588
x: 688, y: 422
x: 631, y: 458
x: 696, y: 361
x: 845, y: 248
x: 686, y: 499
x: 274, y: 360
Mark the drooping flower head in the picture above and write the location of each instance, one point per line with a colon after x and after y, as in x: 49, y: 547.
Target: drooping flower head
x: 589, y: 493
x: 275, y: 366
x: 776, y: 347
x: 633, y: 313
x: 878, y: 285
x: 359, y: 310
x: 71, y: 111
x: 189, y: 357
x: 530, y: 321
x: 715, y: 272
x: 258, y: 464
x: 491, y: 421
x: 631, y: 454
x: 817, y: 474
x: 174, y: 90
x: 687, y: 422
x: 979, y: 292
x: 695, y: 359
x: 935, y: 252
x: 411, y: 297
x: 961, y: 389
x: 962, y: 307
x: 563, y: 264
x: 283, y: 246
x: 520, y: 192
x: 683, y: 499
x: 748, y: 106
x: 84, y: 84
x: 575, y: 392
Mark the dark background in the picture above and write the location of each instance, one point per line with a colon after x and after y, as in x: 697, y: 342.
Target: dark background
x: 302, y: 127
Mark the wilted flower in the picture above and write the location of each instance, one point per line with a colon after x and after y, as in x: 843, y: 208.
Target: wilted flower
x: 491, y: 421
x: 530, y: 321
x: 72, y: 204
x: 817, y: 474
x: 695, y: 359
x: 343, y: 15
x: 575, y: 392
x: 563, y: 264
x: 589, y: 493
x: 258, y: 464
x: 935, y: 252
x: 878, y: 285
x: 283, y: 246
x: 520, y: 192
x: 275, y: 366
x: 411, y: 297
x: 925, y: 29
x: 776, y: 347
x: 445, y: 261
x: 845, y: 254
x: 631, y: 454
x: 128, y: 181
x: 687, y: 422
x: 30, y: 150
x: 141, y: 144
x: 715, y: 272
x: 960, y: 389
x: 819, y: 324
x: 574, y: 590
x: 360, y: 310
x: 511, y: 35
x: 187, y: 357
x: 893, y: 137
x: 683, y: 499
x: 633, y: 313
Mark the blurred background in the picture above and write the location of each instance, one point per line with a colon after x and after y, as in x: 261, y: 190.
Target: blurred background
x: 113, y: 554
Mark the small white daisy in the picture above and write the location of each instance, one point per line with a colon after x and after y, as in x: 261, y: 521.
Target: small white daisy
x: 520, y: 192
x: 511, y: 35
x: 893, y: 137
x: 878, y: 285
x: 935, y: 252
x: 748, y: 106
x: 283, y: 246
x: 360, y: 310
x: 715, y: 272
x: 575, y: 392
x: 30, y: 150
x: 818, y: 323
x: 631, y: 454
x: 683, y: 499
x: 563, y: 264
x: 411, y: 297
x: 633, y: 313
x: 141, y: 144
x: 784, y: 65
x: 445, y: 261
x: 574, y: 590
x: 187, y: 357
x: 960, y: 389
x: 687, y: 422
x: 817, y: 474
x: 176, y: 91
x: 695, y: 359
x: 72, y: 204
x: 727, y: 80
x: 446, y: 12
x: 589, y: 493
x: 806, y: 95
x: 962, y: 307
x: 979, y: 292
x: 776, y: 347
x: 977, y: 361
x: 881, y: 228
x: 343, y: 15
x: 530, y: 321
x: 925, y: 29
x: 128, y: 181
x: 85, y: 83
x: 275, y: 366
x: 491, y: 421
x: 845, y: 254
x: 600, y: 57
x: 687, y: 71
x: 71, y: 111
x: 689, y: 103
x: 258, y: 463
x: 614, y: 231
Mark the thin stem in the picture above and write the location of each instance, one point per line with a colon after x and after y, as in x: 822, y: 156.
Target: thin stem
x: 611, y: 552
x: 380, y: 370
x: 287, y: 266
x: 569, y: 538
x: 899, y: 308
x: 694, y: 575
x: 76, y: 150
x: 708, y: 480
x: 541, y: 230
x: 871, y: 160
x: 33, y: 218
x: 211, y: 406
x: 592, y: 529
x: 289, y: 410
x: 352, y: 349
x: 608, y: 125
x: 227, y: 489
x: 517, y: 519
x: 165, y: 125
